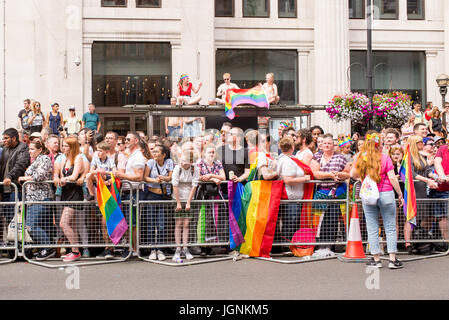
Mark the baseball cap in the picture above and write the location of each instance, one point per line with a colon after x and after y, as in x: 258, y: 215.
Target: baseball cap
x: 71, y: 108
x: 437, y: 138
x: 426, y: 139
x: 36, y: 134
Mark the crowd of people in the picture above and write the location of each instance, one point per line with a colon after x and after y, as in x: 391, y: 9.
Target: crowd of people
x: 192, y: 163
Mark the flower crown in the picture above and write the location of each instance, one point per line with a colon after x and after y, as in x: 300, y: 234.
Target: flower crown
x: 183, y: 76
x: 344, y: 141
x: 373, y: 136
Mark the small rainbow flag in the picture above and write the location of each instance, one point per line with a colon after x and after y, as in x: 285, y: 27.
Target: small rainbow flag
x: 409, y: 188
x: 260, y: 207
x: 115, y: 221
x: 255, y: 96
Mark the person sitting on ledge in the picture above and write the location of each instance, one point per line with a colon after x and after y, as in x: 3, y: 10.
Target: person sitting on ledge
x: 185, y: 89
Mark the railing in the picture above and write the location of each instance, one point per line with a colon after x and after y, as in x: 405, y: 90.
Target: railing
x: 9, y: 224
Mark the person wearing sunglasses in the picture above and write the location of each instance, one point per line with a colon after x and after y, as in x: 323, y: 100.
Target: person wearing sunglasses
x: 221, y: 91
x: 36, y: 119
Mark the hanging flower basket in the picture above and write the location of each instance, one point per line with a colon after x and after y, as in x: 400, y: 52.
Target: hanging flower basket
x: 392, y: 109
x: 352, y: 106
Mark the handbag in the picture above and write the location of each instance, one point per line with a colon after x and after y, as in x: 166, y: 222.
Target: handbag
x: 369, y: 193
x: 165, y: 196
x: 12, y: 230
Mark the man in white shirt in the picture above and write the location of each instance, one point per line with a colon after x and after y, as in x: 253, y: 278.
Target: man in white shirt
x: 221, y: 91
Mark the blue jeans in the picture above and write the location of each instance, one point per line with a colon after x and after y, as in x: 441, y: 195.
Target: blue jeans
x: 438, y: 208
x: 8, y: 211
x: 156, y: 219
x: 191, y: 129
x: 125, y: 207
x: 386, y: 205
x: 38, y: 219
x: 174, y: 132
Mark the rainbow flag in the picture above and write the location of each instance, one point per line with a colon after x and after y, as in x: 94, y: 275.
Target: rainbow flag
x: 115, y: 221
x: 306, y: 210
x: 255, y: 96
x: 260, y: 207
x: 235, y: 192
x: 409, y: 188
x: 115, y: 186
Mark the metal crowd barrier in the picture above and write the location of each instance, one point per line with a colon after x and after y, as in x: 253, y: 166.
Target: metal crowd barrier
x: 426, y: 238
x: 319, y: 224
x: 82, y: 222
x: 158, y: 227
x: 9, y: 228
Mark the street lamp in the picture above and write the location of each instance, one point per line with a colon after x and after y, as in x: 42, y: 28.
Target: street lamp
x: 442, y: 82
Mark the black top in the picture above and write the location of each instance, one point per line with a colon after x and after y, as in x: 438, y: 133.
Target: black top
x: 233, y: 160
x: 437, y: 125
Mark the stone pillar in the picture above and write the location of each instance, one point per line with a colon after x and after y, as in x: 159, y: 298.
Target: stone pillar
x: 331, y: 59
x: 446, y: 38
x: 303, y: 77
x: 433, y: 93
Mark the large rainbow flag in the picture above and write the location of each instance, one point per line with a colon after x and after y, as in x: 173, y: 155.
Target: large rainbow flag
x: 409, y: 188
x: 258, y: 217
x: 115, y: 221
x: 255, y: 96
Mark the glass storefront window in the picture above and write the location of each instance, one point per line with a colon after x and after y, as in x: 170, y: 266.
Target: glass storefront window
x: 357, y: 9
x: 113, y: 3
x: 121, y: 125
x: 386, y: 9
x: 415, y: 9
x: 148, y: 3
x: 131, y: 73
x: 394, y: 70
x: 256, y: 8
x: 249, y: 67
x: 287, y: 8
x: 224, y: 8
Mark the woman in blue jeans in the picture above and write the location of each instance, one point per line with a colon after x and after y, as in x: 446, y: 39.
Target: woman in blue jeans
x: 157, y: 174
x: 371, y: 162
x: 38, y: 219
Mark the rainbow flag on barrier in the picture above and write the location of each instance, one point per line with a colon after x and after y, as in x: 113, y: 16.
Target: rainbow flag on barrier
x: 409, y: 188
x: 258, y: 216
x: 255, y: 96
x: 115, y: 221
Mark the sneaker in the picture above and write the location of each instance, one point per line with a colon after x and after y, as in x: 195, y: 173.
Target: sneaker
x: 409, y: 249
x: 86, y: 253
x: 374, y: 263
x: 72, y: 256
x: 160, y: 256
x: 395, y: 264
x: 67, y: 252
x: 106, y: 254
x: 187, y: 254
x: 125, y: 253
x: 177, y: 255
x: 45, y: 254
x: 153, y: 255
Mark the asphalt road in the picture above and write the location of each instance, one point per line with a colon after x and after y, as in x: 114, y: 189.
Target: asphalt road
x: 229, y: 280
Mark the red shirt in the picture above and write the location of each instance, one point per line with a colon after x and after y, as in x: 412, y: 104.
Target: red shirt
x: 443, y: 153
x: 187, y: 92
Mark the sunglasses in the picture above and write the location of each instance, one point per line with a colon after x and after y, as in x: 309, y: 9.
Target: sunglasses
x: 430, y: 144
x: 226, y: 79
x: 128, y: 139
x: 120, y: 143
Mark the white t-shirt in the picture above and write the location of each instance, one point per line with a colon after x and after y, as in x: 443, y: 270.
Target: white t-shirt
x: 185, y: 180
x: 301, y: 154
x: 286, y: 167
x: 135, y: 161
x: 224, y: 87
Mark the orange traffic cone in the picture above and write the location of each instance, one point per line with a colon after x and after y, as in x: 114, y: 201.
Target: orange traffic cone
x: 354, y: 246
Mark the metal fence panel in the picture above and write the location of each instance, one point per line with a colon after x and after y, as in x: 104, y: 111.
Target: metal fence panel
x: 9, y: 228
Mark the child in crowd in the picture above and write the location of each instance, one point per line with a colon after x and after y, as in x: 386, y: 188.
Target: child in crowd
x: 101, y: 164
x: 185, y: 181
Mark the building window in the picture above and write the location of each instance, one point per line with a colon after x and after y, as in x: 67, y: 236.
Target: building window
x: 126, y: 73
x: 113, y: 3
x: 224, y: 8
x: 386, y: 9
x: 393, y: 70
x: 248, y: 67
x: 148, y: 3
x: 287, y: 8
x: 415, y: 9
x: 256, y: 8
x: 357, y: 9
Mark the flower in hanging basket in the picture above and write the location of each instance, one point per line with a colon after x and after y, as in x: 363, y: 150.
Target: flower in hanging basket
x: 352, y: 106
x: 392, y: 109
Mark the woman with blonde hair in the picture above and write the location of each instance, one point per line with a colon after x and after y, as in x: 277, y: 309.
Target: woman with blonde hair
x: 185, y: 89
x: 36, y: 118
x: 420, y: 171
x: 371, y: 162
x: 71, y: 170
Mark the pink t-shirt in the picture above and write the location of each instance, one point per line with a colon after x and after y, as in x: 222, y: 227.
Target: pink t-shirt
x: 386, y: 165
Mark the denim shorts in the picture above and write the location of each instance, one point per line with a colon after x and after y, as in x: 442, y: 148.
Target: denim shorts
x: 438, y: 208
